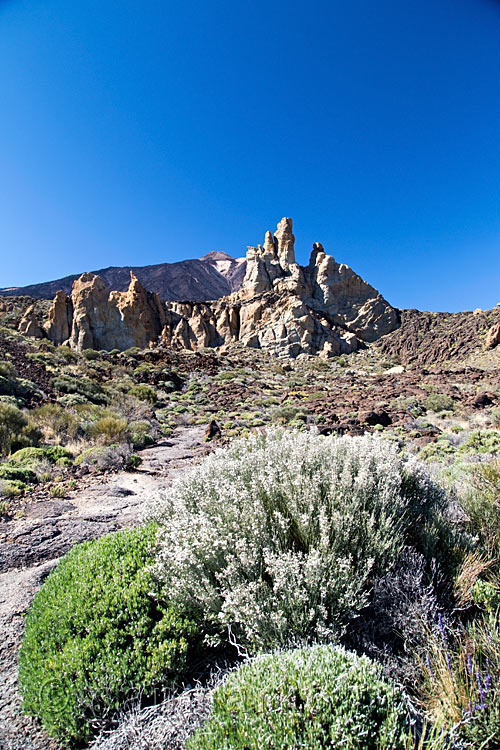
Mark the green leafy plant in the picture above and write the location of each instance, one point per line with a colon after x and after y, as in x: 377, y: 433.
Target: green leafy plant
x: 438, y: 402
x: 143, y: 393
x: 81, y: 386
x: 12, y: 422
x: 311, y: 699
x: 99, y: 632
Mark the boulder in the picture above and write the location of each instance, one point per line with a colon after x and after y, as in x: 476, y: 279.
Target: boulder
x: 493, y: 336
x: 29, y: 324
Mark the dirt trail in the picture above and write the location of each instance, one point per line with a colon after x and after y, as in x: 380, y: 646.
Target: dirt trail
x: 32, y: 545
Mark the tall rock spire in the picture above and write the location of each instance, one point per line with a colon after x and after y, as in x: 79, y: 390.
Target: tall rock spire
x: 285, y: 242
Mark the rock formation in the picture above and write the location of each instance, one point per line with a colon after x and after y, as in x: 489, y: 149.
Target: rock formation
x: 95, y: 318
x: 323, y: 308
x: 29, y: 324
x: 493, y: 336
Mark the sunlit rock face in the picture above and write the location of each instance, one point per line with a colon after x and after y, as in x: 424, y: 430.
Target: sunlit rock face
x: 92, y: 317
x: 323, y: 308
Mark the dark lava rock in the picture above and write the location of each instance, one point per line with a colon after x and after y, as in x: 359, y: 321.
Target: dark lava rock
x: 482, y: 400
x: 212, y: 432
x: 375, y: 417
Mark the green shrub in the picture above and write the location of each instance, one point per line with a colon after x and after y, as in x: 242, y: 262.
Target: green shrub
x: 11, y: 489
x: 279, y: 536
x: 436, y: 451
x: 55, y: 422
x: 482, y: 441
x: 481, y: 502
x: 104, y: 457
x: 99, y: 632
x: 133, y: 461
x: 18, y: 473
x: 310, y: 699
x: 90, y: 354
x: 461, y: 681
x: 284, y: 414
x: 109, y: 428
x: 53, y: 453
x: 85, y: 387
x: 139, y: 433
x: 143, y: 393
x: 438, y: 402
x: 66, y: 354
x: 12, y: 422
x: 7, y: 369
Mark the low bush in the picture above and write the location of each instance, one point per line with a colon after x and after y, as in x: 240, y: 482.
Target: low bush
x: 109, y: 428
x: 104, y: 457
x: 438, y: 402
x: 139, y: 432
x: 311, y: 698
x: 85, y: 387
x: 52, y: 453
x: 482, y: 441
x: 55, y: 422
x: 12, y: 422
x: 279, y: 536
x: 143, y: 393
x: 481, y: 502
x: 90, y: 354
x: 18, y: 473
x: 461, y: 680
x: 100, y: 632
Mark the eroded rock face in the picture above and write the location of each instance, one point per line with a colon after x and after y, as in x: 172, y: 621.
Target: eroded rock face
x: 95, y: 318
x: 493, y: 336
x: 29, y: 324
x: 324, y: 308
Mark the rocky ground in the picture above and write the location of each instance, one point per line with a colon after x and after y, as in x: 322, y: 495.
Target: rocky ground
x: 32, y: 543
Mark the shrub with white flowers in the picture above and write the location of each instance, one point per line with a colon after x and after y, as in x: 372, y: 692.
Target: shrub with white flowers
x: 278, y: 537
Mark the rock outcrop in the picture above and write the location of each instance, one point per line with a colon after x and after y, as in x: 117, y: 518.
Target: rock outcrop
x: 29, y: 324
x: 95, y: 318
x: 323, y: 308
x: 493, y: 336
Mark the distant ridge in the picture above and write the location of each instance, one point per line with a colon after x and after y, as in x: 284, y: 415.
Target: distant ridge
x: 213, y: 276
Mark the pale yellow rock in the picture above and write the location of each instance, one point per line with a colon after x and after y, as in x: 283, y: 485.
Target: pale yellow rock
x: 29, y: 325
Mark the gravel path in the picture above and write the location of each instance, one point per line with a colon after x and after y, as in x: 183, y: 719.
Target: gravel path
x: 31, y: 546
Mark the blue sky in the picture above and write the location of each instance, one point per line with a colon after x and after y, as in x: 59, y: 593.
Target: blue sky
x: 144, y: 132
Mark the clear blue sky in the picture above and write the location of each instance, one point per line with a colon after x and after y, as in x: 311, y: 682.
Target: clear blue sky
x: 142, y: 132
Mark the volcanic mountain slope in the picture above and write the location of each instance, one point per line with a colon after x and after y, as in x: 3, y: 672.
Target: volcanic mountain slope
x: 215, y: 275
x: 430, y: 338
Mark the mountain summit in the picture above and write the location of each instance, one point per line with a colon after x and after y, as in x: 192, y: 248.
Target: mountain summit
x: 215, y: 275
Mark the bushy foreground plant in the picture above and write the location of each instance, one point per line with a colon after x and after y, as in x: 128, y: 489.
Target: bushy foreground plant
x: 312, y: 698
x: 100, y: 632
x: 279, y: 536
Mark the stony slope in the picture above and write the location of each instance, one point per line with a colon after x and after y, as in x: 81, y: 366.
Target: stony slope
x: 215, y: 275
x: 429, y: 338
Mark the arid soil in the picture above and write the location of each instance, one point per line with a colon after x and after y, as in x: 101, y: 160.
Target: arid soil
x: 32, y: 543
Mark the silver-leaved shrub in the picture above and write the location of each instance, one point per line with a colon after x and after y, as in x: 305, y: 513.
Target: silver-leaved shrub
x: 278, y: 537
